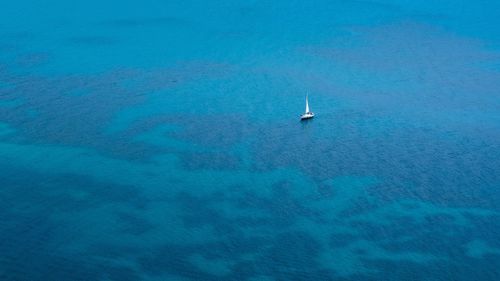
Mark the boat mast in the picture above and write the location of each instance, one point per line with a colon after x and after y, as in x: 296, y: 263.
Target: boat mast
x: 307, y: 104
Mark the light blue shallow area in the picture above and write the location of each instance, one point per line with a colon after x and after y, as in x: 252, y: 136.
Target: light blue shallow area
x: 160, y: 140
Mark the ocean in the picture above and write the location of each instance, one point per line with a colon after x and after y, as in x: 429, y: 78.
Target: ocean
x: 161, y: 140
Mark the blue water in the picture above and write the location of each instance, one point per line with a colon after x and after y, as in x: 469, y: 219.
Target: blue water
x: 160, y: 140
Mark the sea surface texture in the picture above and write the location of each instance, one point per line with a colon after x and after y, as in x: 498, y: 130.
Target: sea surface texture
x: 160, y: 140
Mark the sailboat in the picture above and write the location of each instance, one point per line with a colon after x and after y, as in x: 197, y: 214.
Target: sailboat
x: 308, y: 114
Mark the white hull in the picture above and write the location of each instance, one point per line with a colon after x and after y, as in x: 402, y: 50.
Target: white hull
x: 307, y: 115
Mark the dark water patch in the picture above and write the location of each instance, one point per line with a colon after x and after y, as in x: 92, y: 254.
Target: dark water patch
x: 326, y: 190
x: 486, y: 228
x: 290, y: 256
x: 404, y: 270
x: 63, y: 117
x: 283, y: 208
x: 172, y: 259
x: 468, y: 269
x: 198, y: 212
x: 215, y: 130
x: 284, y: 257
x: 38, y: 210
x: 62, y: 193
x: 79, y: 269
x: 340, y: 240
x: 293, y: 257
x: 145, y: 125
x: 47, y: 267
x: 433, y: 241
x: 217, y: 134
x: 379, y: 232
x: 236, y: 247
x: 296, y: 251
x: 198, y: 209
x: 132, y: 224
x: 31, y: 244
x: 359, y: 206
x: 445, y: 242
x: 114, y: 251
x: 440, y: 219
x: 413, y: 162
x: 210, y: 160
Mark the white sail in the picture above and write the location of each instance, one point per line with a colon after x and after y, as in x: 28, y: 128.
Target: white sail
x: 308, y: 114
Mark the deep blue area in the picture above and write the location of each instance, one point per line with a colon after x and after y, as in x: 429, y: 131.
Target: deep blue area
x: 160, y: 140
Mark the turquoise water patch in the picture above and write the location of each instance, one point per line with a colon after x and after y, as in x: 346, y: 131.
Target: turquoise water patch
x: 478, y: 249
x: 10, y: 103
x: 5, y: 129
